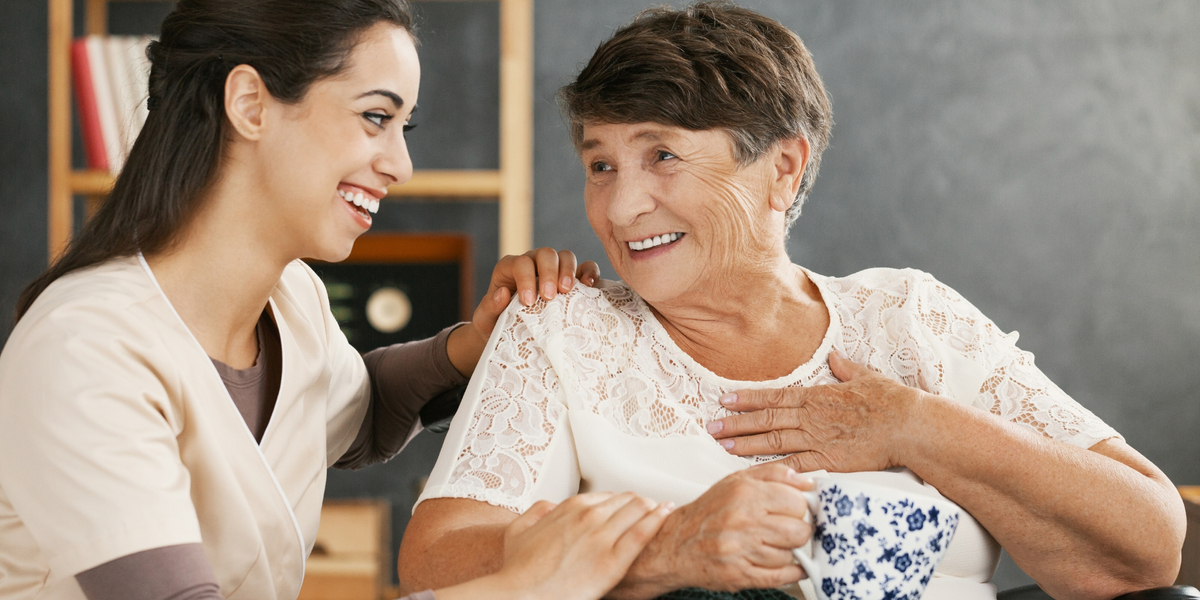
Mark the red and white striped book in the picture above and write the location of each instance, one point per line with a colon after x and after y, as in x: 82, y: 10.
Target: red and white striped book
x: 111, y: 85
x: 89, y: 113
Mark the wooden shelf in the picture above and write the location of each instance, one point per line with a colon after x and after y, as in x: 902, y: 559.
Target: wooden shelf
x: 485, y: 185
x: 449, y: 184
x: 511, y: 186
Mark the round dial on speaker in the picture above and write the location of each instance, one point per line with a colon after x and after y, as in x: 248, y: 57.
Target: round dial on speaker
x: 388, y: 309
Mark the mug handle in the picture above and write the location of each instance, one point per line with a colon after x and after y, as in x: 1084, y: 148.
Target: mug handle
x: 806, y: 562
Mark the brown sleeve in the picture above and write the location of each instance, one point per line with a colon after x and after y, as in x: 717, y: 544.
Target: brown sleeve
x: 403, y: 378
x: 169, y: 573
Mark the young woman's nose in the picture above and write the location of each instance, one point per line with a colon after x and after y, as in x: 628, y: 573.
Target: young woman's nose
x: 394, y: 162
x: 632, y: 197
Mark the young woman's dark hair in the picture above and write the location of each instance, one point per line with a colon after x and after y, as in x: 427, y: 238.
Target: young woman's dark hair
x: 291, y: 43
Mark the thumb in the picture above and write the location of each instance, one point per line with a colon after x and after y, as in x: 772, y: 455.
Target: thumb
x: 488, y: 311
x: 530, y: 517
x: 845, y: 369
x: 805, y: 462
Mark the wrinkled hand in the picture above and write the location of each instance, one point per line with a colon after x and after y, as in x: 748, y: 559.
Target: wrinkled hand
x: 738, y: 535
x: 580, y: 548
x: 552, y: 272
x: 856, y: 425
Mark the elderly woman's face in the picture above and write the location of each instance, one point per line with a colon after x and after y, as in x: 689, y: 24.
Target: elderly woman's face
x: 675, y: 212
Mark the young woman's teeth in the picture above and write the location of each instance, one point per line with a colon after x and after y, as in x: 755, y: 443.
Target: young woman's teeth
x: 367, y: 203
x: 657, y: 240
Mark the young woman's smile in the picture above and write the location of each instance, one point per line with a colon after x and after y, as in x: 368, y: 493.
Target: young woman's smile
x: 360, y: 202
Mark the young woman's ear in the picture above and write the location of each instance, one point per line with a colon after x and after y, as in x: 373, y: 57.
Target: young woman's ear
x: 791, y: 158
x: 245, y: 100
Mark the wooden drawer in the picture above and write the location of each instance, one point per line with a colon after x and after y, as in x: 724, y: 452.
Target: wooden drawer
x: 351, y: 555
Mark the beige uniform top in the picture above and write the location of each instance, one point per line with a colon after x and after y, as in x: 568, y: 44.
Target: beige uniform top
x: 117, y: 435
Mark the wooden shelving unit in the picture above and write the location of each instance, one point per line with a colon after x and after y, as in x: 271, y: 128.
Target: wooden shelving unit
x: 511, y: 185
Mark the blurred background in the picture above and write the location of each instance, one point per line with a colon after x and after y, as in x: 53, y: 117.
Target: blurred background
x: 1041, y: 158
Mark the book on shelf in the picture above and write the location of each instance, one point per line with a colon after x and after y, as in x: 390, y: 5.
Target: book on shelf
x: 111, y: 76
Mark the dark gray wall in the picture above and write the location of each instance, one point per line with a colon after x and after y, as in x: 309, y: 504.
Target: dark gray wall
x: 1041, y: 158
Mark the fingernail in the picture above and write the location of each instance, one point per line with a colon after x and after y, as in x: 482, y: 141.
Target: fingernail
x: 527, y: 298
x: 667, y: 506
x: 498, y: 295
x: 727, y: 444
x: 566, y: 283
x: 715, y: 427
x: 728, y: 399
x: 548, y: 290
x: 839, y: 353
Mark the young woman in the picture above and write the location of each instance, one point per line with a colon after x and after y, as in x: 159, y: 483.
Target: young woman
x: 176, y: 386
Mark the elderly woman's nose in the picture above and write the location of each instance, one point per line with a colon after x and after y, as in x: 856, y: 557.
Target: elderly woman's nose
x: 630, y: 199
x: 395, y: 162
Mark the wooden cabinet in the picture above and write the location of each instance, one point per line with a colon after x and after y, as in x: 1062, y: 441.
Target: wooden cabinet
x: 511, y: 185
x: 351, y: 555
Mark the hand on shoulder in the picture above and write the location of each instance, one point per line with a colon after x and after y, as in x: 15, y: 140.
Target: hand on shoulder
x: 543, y: 271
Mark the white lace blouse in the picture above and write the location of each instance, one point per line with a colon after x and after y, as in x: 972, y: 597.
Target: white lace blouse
x: 588, y: 392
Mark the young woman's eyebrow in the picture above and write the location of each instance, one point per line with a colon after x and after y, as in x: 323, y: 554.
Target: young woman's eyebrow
x: 396, y: 100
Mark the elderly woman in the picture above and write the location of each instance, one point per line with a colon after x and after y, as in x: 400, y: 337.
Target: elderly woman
x: 701, y: 132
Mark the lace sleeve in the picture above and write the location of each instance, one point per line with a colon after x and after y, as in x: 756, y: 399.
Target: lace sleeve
x: 1014, y: 388
x: 509, y: 444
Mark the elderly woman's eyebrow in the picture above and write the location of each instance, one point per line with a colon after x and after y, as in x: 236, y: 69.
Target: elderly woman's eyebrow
x: 654, y: 135
x: 396, y: 99
x: 590, y: 143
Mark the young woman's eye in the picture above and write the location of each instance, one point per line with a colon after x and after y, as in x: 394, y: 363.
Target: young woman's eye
x: 664, y: 155
x: 379, y: 119
x: 409, y: 127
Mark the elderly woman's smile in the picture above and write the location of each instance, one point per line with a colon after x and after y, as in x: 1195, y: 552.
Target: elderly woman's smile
x: 668, y: 203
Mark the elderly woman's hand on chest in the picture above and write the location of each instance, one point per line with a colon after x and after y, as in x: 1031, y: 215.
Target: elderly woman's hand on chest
x: 860, y: 424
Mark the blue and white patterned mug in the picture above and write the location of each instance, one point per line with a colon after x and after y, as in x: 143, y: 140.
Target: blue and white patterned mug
x: 874, y: 543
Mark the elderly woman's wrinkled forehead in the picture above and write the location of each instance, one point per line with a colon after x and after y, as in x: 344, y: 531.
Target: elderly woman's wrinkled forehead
x: 599, y: 136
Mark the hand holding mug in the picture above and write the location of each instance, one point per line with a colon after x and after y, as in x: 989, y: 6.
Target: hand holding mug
x: 737, y: 535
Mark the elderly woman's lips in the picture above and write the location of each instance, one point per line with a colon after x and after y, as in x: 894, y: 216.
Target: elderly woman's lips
x: 655, y: 241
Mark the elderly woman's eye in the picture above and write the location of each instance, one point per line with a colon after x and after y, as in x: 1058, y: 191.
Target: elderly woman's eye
x: 379, y: 119
x: 664, y: 155
x: 600, y: 167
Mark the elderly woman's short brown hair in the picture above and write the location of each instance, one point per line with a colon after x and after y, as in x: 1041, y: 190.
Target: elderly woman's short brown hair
x: 712, y: 65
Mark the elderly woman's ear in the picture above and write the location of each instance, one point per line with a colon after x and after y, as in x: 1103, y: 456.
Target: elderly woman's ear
x: 791, y: 158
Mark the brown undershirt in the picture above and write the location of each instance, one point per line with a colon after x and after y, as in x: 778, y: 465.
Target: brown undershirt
x: 403, y: 378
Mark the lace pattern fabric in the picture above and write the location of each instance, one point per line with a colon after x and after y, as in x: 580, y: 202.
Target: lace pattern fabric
x: 602, y: 351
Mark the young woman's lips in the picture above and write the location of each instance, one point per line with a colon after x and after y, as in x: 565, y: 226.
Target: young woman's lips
x: 360, y: 216
x: 359, y: 202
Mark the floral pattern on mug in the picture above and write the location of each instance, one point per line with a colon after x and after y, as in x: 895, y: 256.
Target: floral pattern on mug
x: 889, y: 548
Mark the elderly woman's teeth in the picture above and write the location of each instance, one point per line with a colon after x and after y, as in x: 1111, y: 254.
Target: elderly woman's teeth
x: 367, y: 203
x: 657, y: 240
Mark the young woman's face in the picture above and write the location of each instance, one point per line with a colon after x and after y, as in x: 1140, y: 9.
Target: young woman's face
x: 334, y: 153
